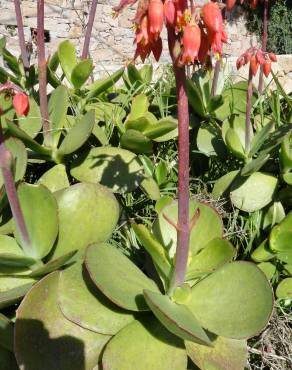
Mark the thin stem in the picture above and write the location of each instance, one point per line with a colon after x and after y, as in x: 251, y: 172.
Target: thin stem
x: 183, y: 231
x: 5, y: 161
x: 42, y: 66
x: 215, y: 78
x: 89, y: 27
x: 21, y: 38
x: 264, y: 41
x: 248, y: 112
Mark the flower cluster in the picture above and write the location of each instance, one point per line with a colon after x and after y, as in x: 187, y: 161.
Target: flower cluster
x: 256, y: 57
x: 199, y: 30
x: 230, y: 3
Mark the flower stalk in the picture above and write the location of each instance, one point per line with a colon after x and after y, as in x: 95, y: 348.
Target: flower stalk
x: 42, y: 67
x: 264, y: 42
x: 248, y: 127
x: 21, y: 38
x: 92, y: 12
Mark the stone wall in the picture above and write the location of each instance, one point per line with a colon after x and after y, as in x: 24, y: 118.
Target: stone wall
x: 112, y: 41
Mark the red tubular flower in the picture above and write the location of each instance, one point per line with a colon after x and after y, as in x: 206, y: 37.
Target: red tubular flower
x: 273, y: 57
x: 260, y: 58
x: 267, y: 66
x: 204, y: 48
x: 170, y: 13
x: 212, y: 17
x: 155, y: 15
x: 21, y: 104
x: 253, y: 3
x: 254, y: 65
x: 191, y: 43
x: 230, y: 4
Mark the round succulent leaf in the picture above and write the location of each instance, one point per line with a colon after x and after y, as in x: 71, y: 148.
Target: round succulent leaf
x: 237, y: 124
x: 139, y: 106
x: 273, y: 215
x: 117, y: 277
x: 223, y: 184
x: 167, y: 234
x: 137, y: 142
x: 116, y: 168
x: 10, y: 296
x: 209, y: 141
x: 224, y: 354
x: 263, y: 253
x: 55, y: 178
x: 281, y: 234
x: 53, y: 265
x: 39, y: 209
x: 161, y: 128
x: 150, y: 188
x: 285, y: 257
x: 88, y: 213
x: 82, y: 303
x: 60, y: 344
x: 268, y: 269
x: 217, y: 252
x: 253, y: 193
x: 145, y: 345
x: 11, y: 254
x: 177, y: 318
x: 284, y: 289
x: 32, y: 123
x: 236, y: 301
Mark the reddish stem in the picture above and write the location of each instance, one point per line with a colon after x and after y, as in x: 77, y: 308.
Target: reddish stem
x: 89, y: 27
x: 264, y: 41
x: 21, y: 34
x: 42, y: 66
x: 183, y: 230
x: 5, y: 162
x: 248, y: 112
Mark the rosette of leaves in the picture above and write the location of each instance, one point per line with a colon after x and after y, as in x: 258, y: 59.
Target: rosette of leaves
x: 275, y: 253
x: 60, y: 221
x: 106, y: 313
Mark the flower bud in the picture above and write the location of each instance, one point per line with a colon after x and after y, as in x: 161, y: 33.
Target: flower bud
x: 155, y: 15
x: 260, y: 58
x: 21, y: 104
x: 273, y: 57
x: 247, y: 57
x: 253, y: 65
x: 240, y: 62
x: 212, y: 17
x: 230, y: 4
x: 191, y: 43
x: 267, y: 66
x: 170, y: 13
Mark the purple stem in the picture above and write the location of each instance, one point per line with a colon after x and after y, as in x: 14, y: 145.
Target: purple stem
x: 42, y: 67
x: 248, y: 111
x: 21, y: 34
x: 264, y: 41
x: 89, y: 27
x: 215, y: 78
x: 183, y: 225
x: 5, y: 162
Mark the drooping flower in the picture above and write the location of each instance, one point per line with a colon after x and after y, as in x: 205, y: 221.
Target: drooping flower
x: 21, y: 104
x: 212, y: 17
x: 230, y: 4
x: 170, y: 13
x: 191, y: 43
x: 204, y: 47
x: 155, y: 16
x: 256, y: 57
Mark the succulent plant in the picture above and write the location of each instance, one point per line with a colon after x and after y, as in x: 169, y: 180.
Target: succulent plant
x: 103, y: 312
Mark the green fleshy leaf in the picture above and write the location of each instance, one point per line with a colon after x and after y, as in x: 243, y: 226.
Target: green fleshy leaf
x: 284, y: 289
x: 268, y: 269
x: 225, y: 354
x: 116, y: 168
x: 126, y: 351
x: 236, y: 301
x: 32, y: 123
x: 100, y: 86
x: 55, y: 178
x: 281, y: 234
x: 177, y: 318
x: 58, y: 107
x: 82, y: 303
x: 263, y: 253
x: 88, y: 213
x: 62, y: 345
x: 13, y: 289
x: 223, y: 184
x: 81, y: 73
x: 137, y: 142
x: 67, y: 58
x: 150, y: 188
x: 117, y: 277
x: 41, y: 219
